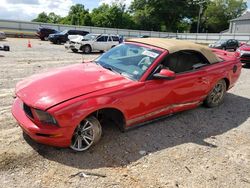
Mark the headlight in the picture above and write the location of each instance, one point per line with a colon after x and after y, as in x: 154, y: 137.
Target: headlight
x: 45, y: 117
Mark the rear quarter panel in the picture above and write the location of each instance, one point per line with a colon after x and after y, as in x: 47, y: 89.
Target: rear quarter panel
x: 229, y: 68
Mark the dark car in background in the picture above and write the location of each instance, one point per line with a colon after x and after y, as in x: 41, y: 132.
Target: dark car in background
x: 225, y: 44
x: 62, y: 37
x: 43, y: 32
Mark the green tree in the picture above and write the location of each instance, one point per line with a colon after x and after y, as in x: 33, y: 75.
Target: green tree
x: 42, y: 17
x: 167, y: 14
x: 78, y: 15
x: 48, y: 18
x: 113, y: 15
x: 53, y: 18
x: 220, y: 12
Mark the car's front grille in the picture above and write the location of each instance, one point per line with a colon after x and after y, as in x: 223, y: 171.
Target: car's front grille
x: 27, y: 110
x: 245, y: 56
x: 245, y: 61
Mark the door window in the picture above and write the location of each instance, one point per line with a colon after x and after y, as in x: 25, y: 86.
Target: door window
x: 102, y: 39
x: 183, y: 61
x: 115, y: 38
x: 71, y: 32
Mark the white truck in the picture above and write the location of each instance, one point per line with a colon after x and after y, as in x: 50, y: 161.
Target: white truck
x: 93, y: 42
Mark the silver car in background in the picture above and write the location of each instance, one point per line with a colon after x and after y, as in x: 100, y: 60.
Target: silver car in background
x: 2, y: 35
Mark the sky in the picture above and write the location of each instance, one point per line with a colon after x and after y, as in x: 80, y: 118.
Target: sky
x: 29, y: 9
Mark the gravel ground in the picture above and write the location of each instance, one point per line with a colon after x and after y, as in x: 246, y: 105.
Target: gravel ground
x: 196, y: 148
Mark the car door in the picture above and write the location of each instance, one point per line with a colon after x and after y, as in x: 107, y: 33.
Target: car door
x: 235, y: 44
x: 231, y: 44
x: 188, y: 88
x: 109, y: 43
x: 100, y: 43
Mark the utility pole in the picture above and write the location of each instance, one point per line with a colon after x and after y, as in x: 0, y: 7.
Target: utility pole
x: 199, y: 17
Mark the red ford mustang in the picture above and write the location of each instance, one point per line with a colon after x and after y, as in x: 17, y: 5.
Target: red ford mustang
x: 133, y: 83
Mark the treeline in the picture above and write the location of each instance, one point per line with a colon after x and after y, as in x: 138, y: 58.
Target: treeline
x: 155, y: 15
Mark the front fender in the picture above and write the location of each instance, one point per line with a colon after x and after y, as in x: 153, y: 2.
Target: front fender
x: 72, y: 112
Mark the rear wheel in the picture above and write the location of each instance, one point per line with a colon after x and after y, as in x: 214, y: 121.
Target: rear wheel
x: 87, y: 134
x: 216, y: 96
x: 246, y: 65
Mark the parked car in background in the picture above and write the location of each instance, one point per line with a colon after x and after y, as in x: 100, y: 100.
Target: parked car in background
x: 96, y: 42
x: 244, y: 53
x: 62, y: 37
x: 132, y: 84
x: 226, y: 44
x: 144, y: 36
x: 4, y: 47
x: 43, y: 33
x: 2, y: 35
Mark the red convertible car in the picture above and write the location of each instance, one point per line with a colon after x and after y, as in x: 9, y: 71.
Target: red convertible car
x: 131, y: 84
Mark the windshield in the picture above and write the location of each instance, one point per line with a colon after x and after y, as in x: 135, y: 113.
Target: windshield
x: 129, y: 60
x: 64, y: 32
x: 89, y: 37
x: 221, y: 41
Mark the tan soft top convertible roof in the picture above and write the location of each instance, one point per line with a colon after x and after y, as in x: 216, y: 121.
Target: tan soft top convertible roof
x: 176, y: 45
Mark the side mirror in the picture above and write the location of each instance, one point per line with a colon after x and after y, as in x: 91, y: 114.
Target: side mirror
x: 165, y: 74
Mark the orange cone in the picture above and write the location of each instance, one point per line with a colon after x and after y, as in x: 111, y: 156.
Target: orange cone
x: 29, y: 44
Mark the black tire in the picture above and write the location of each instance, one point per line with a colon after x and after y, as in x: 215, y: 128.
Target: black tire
x: 74, y: 50
x: 216, y: 96
x: 6, y: 48
x: 246, y: 65
x: 86, y: 134
x: 86, y: 49
x: 58, y: 42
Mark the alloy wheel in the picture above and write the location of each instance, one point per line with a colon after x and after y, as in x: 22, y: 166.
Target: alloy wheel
x: 87, y: 133
x: 216, y: 96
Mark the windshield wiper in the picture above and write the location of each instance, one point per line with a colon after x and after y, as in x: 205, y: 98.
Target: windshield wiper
x: 110, y: 68
x: 96, y: 62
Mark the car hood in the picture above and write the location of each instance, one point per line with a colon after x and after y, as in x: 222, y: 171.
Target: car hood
x: 75, y: 38
x: 45, y: 90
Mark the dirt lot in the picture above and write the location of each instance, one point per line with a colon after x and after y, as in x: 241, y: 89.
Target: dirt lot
x: 198, y: 148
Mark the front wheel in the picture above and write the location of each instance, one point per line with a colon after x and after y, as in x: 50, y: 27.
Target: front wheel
x: 86, y: 134
x: 216, y: 96
x: 74, y: 50
x: 87, y: 49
